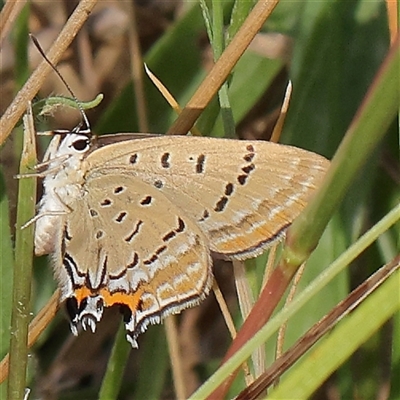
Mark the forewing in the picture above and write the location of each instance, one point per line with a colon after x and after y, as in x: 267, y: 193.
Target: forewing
x: 242, y: 194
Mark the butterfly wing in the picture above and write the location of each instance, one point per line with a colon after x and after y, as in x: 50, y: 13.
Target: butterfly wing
x: 242, y: 194
x: 137, y: 219
x: 126, y: 243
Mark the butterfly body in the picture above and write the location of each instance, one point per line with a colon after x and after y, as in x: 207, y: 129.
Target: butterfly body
x: 62, y: 183
x: 134, y: 222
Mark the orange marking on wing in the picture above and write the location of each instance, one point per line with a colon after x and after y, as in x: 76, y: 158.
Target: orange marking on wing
x: 81, y: 293
x: 129, y: 299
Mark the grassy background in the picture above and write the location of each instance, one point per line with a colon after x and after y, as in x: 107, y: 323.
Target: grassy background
x: 332, y: 52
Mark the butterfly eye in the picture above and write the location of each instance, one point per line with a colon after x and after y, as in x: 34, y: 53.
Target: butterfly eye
x: 81, y: 145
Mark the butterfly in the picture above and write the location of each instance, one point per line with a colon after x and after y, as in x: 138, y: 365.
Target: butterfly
x: 134, y: 220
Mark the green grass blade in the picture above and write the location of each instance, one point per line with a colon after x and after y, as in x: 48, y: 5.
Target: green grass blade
x: 350, y: 334
x: 22, y: 270
x: 111, y: 384
x: 6, y: 269
x: 316, y: 286
x: 240, y: 11
x: 154, y: 364
x: 6, y: 273
x: 368, y: 128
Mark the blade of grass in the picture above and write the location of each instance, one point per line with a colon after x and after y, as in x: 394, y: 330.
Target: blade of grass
x: 178, y: 375
x: 6, y: 263
x: 317, y: 331
x: 316, y: 286
x: 6, y: 273
x: 218, y: 45
x: 137, y: 71
x: 23, y: 267
x: 181, y: 78
x: 395, y: 389
x: 154, y: 365
x: 240, y: 11
x: 363, y: 136
x: 9, y: 13
x: 21, y: 38
x: 333, y: 351
x: 367, y: 129
x: 36, y: 327
x: 111, y: 384
x: 207, y: 20
x: 253, y: 75
x: 223, y: 67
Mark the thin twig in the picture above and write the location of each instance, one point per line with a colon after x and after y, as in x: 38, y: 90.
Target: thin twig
x: 222, y: 68
x: 34, y: 83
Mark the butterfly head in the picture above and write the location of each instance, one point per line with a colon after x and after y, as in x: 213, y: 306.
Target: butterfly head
x: 73, y: 145
x: 66, y: 150
x: 64, y: 170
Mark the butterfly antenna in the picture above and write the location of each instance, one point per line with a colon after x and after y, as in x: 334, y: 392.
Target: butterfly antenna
x: 85, y: 118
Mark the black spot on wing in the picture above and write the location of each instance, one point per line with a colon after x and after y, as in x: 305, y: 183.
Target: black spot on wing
x: 169, y: 236
x: 158, y: 184
x: 251, y: 153
x: 106, y: 203
x: 146, y: 201
x: 200, y: 163
x: 165, y: 160
x: 126, y: 313
x: 67, y: 236
x: 82, y: 305
x: 242, y: 179
x: 133, y: 159
x: 150, y: 260
x: 161, y: 250
x: 206, y: 214
x: 121, y: 216
x: 221, y: 204
x: 134, y: 262
x: 154, y: 257
x: 134, y: 232
x: 181, y: 226
x: 249, y: 157
x: 71, y: 305
x: 228, y: 189
x: 248, y: 168
x: 119, y: 189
